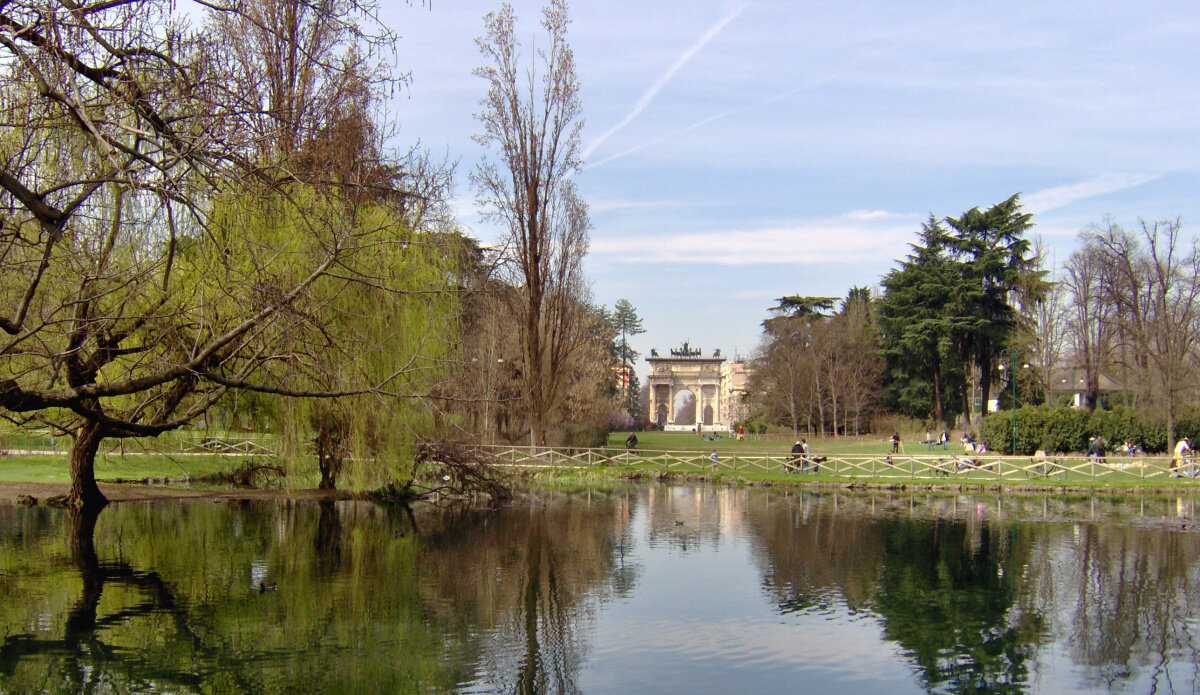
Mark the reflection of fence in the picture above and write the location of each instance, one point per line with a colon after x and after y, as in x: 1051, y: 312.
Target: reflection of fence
x: 964, y: 468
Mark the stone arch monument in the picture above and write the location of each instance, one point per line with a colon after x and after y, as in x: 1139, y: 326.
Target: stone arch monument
x: 686, y: 370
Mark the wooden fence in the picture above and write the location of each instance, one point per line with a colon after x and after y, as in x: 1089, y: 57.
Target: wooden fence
x: 898, y: 467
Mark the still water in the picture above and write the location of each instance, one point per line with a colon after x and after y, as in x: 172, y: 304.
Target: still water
x: 646, y: 589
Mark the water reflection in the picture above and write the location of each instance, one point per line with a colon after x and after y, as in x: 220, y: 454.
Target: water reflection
x: 671, y: 589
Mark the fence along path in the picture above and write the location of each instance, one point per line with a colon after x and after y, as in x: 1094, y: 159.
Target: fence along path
x: 975, y: 468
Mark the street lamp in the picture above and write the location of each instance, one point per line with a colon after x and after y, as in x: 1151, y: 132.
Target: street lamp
x: 1012, y: 376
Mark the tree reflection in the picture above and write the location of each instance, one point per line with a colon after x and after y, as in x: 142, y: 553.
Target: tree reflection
x: 536, y: 575
x: 975, y: 595
x: 942, y: 589
x: 166, y: 596
x: 945, y: 594
x: 363, y: 598
x: 84, y: 659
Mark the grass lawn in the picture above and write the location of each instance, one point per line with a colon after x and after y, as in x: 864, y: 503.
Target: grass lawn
x: 53, y: 468
x: 868, y: 457
x: 686, y: 441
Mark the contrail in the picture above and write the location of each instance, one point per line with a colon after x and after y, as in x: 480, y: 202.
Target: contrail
x: 662, y: 81
x: 810, y: 84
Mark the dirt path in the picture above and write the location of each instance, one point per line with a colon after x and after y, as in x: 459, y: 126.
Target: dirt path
x: 137, y: 493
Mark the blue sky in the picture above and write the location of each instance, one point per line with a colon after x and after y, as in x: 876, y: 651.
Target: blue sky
x: 738, y: 152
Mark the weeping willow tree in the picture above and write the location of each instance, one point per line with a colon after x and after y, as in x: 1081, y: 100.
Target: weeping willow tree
x: 349, y: 394
x: 187, y: 212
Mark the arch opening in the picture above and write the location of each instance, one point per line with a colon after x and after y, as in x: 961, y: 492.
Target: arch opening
x: 685, y: 408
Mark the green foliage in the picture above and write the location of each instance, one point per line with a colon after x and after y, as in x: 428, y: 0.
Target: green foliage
x: 915, y: 320
x: 935, y: 599
x: 1067, y: 429
x: 382, y: 333
x: 1118, y: 425
x: 947, y: 307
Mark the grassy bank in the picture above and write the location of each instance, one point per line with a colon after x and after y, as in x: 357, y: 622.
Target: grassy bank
x: 52, y: 468
x: 741, y: 462
x: 598, y: 477
x: 686, y: 441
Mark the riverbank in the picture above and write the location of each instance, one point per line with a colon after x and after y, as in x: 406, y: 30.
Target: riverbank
x: 600, y: 477
x: 39, y: 478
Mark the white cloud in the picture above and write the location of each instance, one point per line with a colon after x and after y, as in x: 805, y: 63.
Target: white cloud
x: 464, y: 208
x: 1062, y: 196
x: 602, y: 206
x: 856, y: 236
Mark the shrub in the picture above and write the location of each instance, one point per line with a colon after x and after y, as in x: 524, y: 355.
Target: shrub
x: 996, y: 432
x: 593, y: 437
x: 1118, y: 425
x: 1067, y: 429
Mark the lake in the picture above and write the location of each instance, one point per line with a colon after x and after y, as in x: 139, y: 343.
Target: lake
x: 643, y: 589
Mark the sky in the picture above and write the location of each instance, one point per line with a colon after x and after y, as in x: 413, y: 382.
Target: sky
x: 737, y: 152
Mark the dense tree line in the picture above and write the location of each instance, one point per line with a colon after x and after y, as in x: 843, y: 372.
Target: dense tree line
x: 972, y: 308
x: 945, y: 316
x: 817, y: 371
x: 953, y: 306
x: 197, y: 201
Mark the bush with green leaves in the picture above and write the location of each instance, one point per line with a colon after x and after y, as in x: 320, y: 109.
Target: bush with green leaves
x: 1067, y: 429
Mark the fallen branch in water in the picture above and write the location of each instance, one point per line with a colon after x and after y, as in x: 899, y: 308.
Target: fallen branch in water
x: 461, y: 470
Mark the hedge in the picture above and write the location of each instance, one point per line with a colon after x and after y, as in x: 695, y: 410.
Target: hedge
x: 1066, y: 429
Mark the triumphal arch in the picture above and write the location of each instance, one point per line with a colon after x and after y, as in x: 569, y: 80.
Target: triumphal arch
x: 673, y: 378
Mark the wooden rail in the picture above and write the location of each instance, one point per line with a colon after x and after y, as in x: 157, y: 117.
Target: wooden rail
x: 978, y: 468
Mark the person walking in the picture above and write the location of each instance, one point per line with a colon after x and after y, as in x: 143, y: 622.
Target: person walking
x: 1182, y: 456
x: 797, y: 455
x: 895, y: 442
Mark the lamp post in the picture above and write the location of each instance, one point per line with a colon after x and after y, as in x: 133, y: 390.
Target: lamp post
x: 1012, y: 376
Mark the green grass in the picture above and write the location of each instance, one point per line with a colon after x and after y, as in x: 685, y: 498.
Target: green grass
x: 757, y: 475
x: 862, y: 450
x: 686, y: 441
x: 53, y: 468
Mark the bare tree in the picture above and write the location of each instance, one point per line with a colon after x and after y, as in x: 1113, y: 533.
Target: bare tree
x: 782, y: 382
x: 531, y: 120
x: 1089, y: 323
x: 1154, y: 289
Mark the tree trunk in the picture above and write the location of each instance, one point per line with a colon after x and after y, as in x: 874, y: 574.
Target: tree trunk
x: 939, y: 415
x: 985, y: 386
x: 81, y: 621
x: 85, y: 494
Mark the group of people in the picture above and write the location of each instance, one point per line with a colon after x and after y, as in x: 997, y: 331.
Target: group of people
x: 802, y: 460
x: 930, y: 441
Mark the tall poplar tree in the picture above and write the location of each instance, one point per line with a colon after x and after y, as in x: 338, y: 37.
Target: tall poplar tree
x: 531, y: 118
